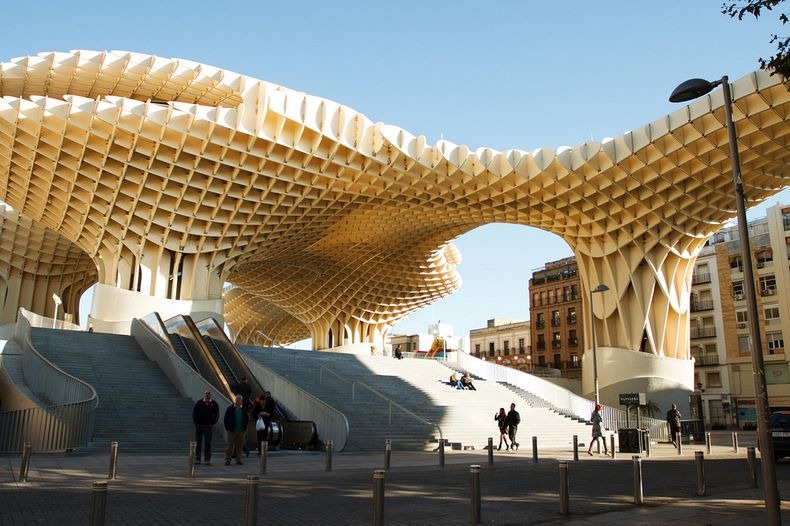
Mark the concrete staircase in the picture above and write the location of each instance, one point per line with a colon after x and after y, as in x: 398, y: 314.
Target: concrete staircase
x: 466, y: 417
x: 138, y: 406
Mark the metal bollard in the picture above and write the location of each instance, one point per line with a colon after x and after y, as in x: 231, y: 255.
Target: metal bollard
x: 113, y: 460
x: 564, y: 488
x: 638, y: 487
x: 647, y: 444
x: 575, y: 448
x: 474, y: 471
x: 735, y: 442
x: 25, y: 464
x: 328, y: 448
x: 611, y: 443
x: 251, y: 501
x: 98, y: 503
x: 378, y: 497
x: 699, y: 458
x: 707, y: 442
x: 679, y: 439
x: 751, y: 458
x: 535, y: 450
x: 264, y: 456
x: 441, y: 454
x: 387, y: 453
x: 490, y: 451
x: 190, y: 461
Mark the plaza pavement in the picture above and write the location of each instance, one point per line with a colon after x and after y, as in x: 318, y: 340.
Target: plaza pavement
x: 297, y: 490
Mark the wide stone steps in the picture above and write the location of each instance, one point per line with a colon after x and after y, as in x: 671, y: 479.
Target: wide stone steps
x: 138, y: 406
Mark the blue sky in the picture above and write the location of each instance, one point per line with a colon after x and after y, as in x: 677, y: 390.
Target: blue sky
x: 501, y: 74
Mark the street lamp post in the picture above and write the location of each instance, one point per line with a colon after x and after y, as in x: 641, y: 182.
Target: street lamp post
x: 686, y: 91
x: 599, y: 288
x: 58, y: 303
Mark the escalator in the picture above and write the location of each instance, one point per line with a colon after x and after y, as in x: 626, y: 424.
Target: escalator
x: 205, y: 347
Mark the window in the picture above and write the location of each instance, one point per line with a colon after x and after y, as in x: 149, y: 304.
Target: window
x: 572, y: 339
x: 744, y: 344
x: 491, y: 348
x: 557, y: 361
x: 542, y: 297
x: 737, y: 290
x: 767, y: 285
x: 575, y: 363
x: 521, y: 345
x: 506, y: 345
x: 555, y: 317
x: 765, y: 258
x: 535, y: 299
x: 477, y: 348
x: 735, y: 263
x: 776, y: 343
x: 556, y: 341
x: 742, y: 318
x: 541, y: 322
x: 771, y: 312
x: 571, y: 314
x: 542, y: 360
x: 713, y: 379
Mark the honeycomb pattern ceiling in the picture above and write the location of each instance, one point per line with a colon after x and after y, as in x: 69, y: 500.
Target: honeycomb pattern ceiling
x: 325, y: 221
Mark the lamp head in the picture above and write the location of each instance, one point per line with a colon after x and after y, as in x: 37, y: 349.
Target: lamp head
x: 601, y: 288
x: 692, y: 89
x: 56, y: 299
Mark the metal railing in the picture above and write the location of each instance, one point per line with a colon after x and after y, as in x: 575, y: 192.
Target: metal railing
x: 702, y: 332
x: 556, y: 397
x: 330, y: 423
x: 390, y: 402
x: 68, y: 421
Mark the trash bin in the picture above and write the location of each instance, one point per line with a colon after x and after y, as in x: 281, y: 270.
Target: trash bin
x: 630, y: 440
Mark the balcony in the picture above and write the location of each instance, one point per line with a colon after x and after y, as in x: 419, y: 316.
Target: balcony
x: 705, y: 359
x: 555, y: 322
x: 701, y: 305
x: 702, y: 277
x: 540, y: 324
x: 556, y: 344
x: 571, y: 319
x: 573, y: 342
x: 541, y: 346
x: 703, y: 332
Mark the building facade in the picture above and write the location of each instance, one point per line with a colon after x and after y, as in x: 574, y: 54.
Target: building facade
x: 555, y: 310
x: 720, y: 342
x: 506, y: 341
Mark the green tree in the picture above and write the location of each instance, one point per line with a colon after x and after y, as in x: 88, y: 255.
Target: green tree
x: 780, y: 62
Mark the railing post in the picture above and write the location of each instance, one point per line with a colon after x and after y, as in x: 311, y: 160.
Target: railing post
x: 707, y: 442
x: 638, y: 487
x: 575, y: 453
x: 535, y: 449
x: 113, y: 460
x: 751, y: 458
x: 98, y: 503
x: 490, y: 451
x: 441, y: 453
x: 387, y: 453
x: 251, y: 501
x: 191, y: 459
x: 735, y: 442
x: 25, y: 463
x: 699, y: 458
x: 474, y: 471
x: 264, y: 460
x: 378, y: 497
x: 647, y: 444
x: 564, y: 488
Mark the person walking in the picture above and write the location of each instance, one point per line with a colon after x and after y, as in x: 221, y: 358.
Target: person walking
x: 267, y: 411
x: 236, y: 420
x: 673, y: 421
x: 513, y: 419
x: 500, y: 419
x: 597, y: 433
x: 205, y: 414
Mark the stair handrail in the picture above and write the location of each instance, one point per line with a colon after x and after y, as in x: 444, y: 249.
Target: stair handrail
x: 559, y: 398
x: 68, y: 422
x: 375, y: 391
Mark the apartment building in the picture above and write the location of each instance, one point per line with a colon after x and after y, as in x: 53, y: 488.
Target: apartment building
x: 555, y: 311
x: 503, y: 340
x: 720, y: 342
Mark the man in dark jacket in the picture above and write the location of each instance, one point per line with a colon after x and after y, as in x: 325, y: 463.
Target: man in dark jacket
x: 236, y: 420
x: 513, y: 419
x: 673, y: 421
x: 205, y: 414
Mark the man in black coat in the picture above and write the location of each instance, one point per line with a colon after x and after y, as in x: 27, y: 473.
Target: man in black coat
x: 673, y: 421
x: 236, y: 420
x: 513, y: 419
x: 205, y: 414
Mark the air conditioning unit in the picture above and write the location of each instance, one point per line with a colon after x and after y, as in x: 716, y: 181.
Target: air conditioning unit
x: 737, y: 296
x: 742, y: 324
x: 769, y: 291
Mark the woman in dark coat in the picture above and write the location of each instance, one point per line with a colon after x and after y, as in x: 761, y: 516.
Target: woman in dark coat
x: 597, y: 433
x: 500, y: 418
